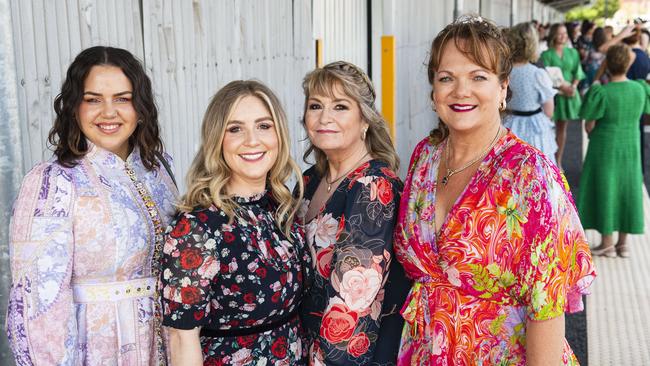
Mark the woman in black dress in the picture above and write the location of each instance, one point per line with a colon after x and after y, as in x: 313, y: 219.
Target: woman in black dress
x: 234, y: 261
x: 351, y: 314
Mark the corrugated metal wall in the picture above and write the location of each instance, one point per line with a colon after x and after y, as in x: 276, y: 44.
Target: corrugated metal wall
x: 11, y: 164
x: 416, y: 23
x: 47, y: 36
x: 343, y: 27
x: 194, y: 48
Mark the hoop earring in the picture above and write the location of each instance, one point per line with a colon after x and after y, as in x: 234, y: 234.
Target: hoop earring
x: 139, y: 121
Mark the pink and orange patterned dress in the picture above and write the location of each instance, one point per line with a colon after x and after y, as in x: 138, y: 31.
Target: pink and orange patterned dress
x: 511, y: 249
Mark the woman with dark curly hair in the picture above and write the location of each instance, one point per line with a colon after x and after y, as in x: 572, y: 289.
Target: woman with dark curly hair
x: 87, y: 226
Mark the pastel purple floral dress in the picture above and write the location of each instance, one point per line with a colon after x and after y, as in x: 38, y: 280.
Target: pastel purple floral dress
x: 81, y: 245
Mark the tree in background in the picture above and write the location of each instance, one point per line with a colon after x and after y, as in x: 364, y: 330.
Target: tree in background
x: 600, y: 10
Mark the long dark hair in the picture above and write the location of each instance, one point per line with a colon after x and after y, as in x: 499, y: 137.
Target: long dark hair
x: 66, y: 136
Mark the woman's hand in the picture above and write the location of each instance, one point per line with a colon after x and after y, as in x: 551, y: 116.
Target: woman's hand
x: 589, y: 126
x: 567, y: 89
x: 545, y: 342
x: 185, y: 347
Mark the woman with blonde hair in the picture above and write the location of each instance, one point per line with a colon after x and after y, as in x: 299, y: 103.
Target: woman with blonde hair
x: 234, y: 262
x: 567, y: 102
x: 531, y: 105
x: 351, y: 315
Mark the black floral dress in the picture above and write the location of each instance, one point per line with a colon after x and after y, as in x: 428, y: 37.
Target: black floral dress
x: 351, y: 314
x: 241, y: 282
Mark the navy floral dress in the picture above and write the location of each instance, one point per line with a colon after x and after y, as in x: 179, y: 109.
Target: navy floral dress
x: 351, y: 315
x: 235, y: 279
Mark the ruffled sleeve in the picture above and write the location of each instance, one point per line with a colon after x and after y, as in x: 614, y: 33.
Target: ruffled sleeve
x: 41, y: 322
x: 359, y: 268
x: 555, y: 267
x: 593, y: 107
x: 189, y: 265
x: 544, y: 86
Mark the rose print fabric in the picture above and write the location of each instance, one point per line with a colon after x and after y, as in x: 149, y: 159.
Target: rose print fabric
x: 77, y: 232
x: 511, y: 249
x: 235, y: 276
x: 351, y: 314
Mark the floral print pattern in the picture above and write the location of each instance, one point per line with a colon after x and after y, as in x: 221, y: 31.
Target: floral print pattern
x: 220, y: 275
x: 351, y: 314
x: 81, y: 227
x: 511, y: 249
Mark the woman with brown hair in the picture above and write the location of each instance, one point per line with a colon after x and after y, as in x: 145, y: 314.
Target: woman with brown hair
x: 86, y: 230
x: 486, y: 228
x: 611, y: 185
x: 351, y: 315
x: 234, y: 262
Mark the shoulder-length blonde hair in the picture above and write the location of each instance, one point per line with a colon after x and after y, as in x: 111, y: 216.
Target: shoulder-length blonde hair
x: 356, y: 85
x: 209, y: 173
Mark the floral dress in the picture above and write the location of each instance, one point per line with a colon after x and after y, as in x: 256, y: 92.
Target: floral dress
x: 241, y: 282
x: 352, y: 312
x: 81, y: 247
x: 510, y: 250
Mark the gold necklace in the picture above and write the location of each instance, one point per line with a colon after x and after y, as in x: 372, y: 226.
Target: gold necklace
x: 329, y: 183
x: 450, y: 172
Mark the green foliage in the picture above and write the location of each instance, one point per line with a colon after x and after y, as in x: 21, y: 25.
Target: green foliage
x: 593, y: 12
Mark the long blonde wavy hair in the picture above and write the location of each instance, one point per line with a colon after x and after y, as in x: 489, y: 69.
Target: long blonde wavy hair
x: 209, y: 173
x: 356, y: 85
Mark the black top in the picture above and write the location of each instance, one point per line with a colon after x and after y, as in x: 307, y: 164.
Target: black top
x: 236, y: 277
x: 352, y: 314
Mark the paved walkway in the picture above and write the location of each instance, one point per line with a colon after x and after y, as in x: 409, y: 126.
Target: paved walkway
x: 618, y: 309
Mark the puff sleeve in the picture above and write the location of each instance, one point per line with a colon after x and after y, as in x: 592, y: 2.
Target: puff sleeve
x: 556, y: 267
x: 593, y: 107
x: 41, y: 322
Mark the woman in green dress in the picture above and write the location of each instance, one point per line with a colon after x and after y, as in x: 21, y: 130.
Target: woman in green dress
x: 567, y: 101
x: 611, y: 186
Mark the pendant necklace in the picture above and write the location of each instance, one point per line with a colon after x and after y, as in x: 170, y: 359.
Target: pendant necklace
x: 450, y: 172
x: 329, y: 183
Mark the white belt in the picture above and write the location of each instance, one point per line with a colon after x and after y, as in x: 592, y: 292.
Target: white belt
x: 113, y: 291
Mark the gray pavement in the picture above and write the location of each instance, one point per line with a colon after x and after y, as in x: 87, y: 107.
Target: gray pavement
x: 576, y: 324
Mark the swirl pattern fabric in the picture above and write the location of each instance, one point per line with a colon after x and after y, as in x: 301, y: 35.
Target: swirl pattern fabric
x: 511, y: 249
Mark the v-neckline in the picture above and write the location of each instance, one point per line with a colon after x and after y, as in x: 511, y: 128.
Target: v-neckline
x: 461, y: 196
x: 327, y: 201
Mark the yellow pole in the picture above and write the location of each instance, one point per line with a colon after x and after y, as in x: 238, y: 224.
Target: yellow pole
x: 388, y: 82
x: 319, y: 53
